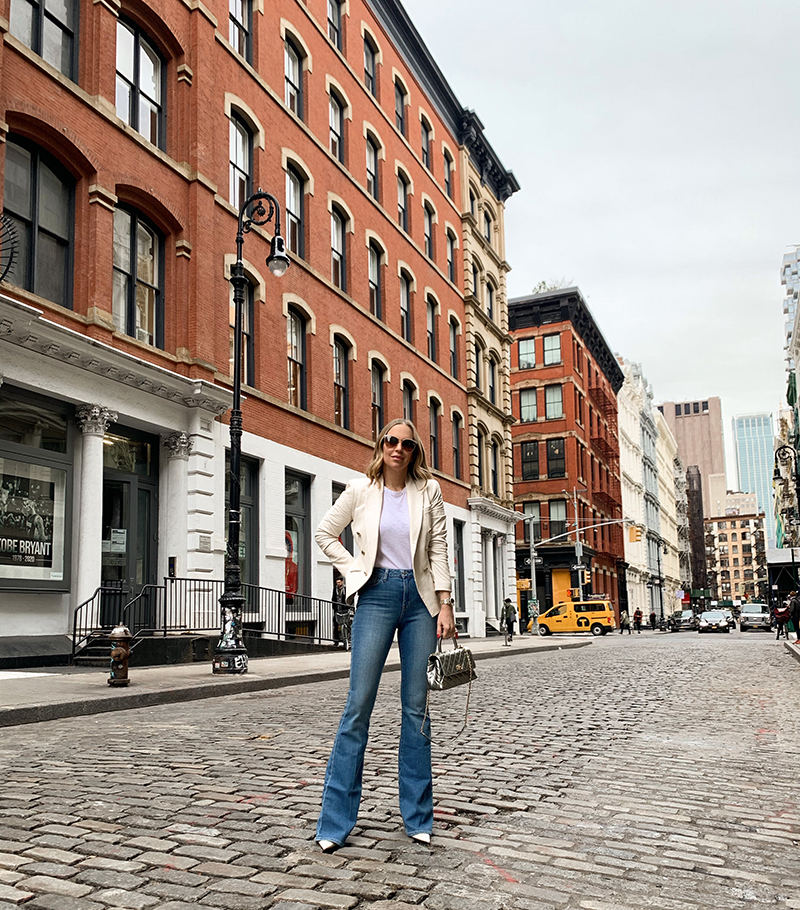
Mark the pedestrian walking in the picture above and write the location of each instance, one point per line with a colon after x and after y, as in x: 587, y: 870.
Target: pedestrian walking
x: 509, y: 618
x: 624, y: 622
x: 794, y: 614
x: 340, y: 612
x: 637, y: 620
x: 653, y: 620
x: 781, y: 620
x: 401, y: 574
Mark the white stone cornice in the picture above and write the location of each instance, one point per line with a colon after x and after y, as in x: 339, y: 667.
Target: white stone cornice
x: 29, y: 328
x: 493, y: 510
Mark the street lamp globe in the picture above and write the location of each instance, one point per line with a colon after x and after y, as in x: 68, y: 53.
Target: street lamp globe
x: 278, y: 261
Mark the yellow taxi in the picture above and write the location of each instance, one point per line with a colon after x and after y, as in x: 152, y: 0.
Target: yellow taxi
x: 595, y: 616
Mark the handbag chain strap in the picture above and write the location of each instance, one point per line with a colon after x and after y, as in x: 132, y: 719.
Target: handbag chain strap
x: 427, y: 714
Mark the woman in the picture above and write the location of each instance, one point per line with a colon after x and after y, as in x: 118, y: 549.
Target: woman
x: 402, y: 576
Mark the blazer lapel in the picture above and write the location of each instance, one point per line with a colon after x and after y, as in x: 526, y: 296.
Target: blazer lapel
x: 416, y: 498
x: 373, y: 503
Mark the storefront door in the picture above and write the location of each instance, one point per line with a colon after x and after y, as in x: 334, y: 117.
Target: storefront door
x: 130, y: 525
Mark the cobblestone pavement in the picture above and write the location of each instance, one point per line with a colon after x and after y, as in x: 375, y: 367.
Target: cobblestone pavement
x: 650, y: 771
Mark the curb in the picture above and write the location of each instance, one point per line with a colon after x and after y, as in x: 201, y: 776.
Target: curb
x: 38, y: 713
x: 793, y: 648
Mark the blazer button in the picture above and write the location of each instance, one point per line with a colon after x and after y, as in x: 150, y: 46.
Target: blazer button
x: 363, y: 553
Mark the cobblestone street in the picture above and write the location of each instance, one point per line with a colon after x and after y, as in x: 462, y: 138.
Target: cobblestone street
x: 643, y: 771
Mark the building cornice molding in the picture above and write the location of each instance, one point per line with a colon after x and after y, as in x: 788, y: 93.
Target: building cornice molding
x: 28, y: 328
x: 493, y: 510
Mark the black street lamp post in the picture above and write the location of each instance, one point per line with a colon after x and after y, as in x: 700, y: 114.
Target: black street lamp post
x: 661, y: 543
x: 230, y: 654
x: 785, y: 454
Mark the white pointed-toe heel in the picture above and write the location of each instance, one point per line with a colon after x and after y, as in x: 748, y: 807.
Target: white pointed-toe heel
x: 327, y: 846
x: 421, y: 838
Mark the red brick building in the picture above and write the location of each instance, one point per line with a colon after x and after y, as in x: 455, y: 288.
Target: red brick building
x: 130, y: 134
x: 564, y: 381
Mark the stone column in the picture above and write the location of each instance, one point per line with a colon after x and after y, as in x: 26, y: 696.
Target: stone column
x: 175, y: 502
x: 487, y: 559
x: 94, y: 420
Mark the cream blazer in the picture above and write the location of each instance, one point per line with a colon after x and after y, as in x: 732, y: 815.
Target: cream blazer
x: 361, y: 504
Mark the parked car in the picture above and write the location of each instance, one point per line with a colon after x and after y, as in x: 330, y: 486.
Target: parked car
x: 755, y: 616
x: 682, y: 621
x: 731, y: 619
x: 713, y: 621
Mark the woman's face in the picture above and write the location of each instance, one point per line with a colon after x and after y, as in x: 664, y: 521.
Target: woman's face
x: 395, y: 456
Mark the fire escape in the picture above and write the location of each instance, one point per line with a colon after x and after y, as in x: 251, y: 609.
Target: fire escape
x: 607, y: 494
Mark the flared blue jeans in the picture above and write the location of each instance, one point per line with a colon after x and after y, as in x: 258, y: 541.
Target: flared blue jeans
x: 389, y: 603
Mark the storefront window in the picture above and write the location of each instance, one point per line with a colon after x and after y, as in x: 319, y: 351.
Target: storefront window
x: 35, y: 489
x: 133, y: 456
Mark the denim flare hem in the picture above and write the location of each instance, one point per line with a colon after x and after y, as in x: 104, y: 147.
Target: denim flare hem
x: 389, y: 603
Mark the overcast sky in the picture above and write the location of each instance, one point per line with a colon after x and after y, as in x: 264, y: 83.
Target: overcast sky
x: 657, y: 143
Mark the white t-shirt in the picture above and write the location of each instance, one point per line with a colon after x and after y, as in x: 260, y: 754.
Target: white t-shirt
x: 394, y: 539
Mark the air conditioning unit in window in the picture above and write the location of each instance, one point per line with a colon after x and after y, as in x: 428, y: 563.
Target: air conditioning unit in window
x: 143, y: 336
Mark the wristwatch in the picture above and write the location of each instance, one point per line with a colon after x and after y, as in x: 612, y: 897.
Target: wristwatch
x: 447, y: 602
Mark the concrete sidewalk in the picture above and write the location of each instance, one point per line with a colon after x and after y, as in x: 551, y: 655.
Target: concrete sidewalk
x: 30, y: 696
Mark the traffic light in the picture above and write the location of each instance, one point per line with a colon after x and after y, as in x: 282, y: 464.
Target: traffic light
x: 635, y: 534
x: 587, y: 576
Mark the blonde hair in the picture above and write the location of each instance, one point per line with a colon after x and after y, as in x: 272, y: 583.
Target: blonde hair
x: 417, y: 467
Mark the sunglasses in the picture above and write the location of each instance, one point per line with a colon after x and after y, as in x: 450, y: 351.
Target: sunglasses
x: 408, y: 445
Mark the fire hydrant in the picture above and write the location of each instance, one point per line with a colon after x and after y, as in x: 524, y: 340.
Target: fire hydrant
x: 120, y: 655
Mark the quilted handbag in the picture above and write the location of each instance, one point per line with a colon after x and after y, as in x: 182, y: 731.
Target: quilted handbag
x: 446, y: 670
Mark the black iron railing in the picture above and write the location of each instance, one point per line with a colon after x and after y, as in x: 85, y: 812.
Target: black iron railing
x: 191, y: 605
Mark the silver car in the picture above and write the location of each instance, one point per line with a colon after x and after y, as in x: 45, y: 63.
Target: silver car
x: 754, y: 616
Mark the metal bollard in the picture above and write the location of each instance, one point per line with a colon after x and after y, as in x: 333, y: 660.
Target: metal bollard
x: 120, y: 655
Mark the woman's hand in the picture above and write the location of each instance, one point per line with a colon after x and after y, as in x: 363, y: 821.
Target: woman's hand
x: 446, y: 622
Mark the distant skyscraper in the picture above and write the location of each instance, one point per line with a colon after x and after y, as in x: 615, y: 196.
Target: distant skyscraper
x: 790, y: 278
x: 755, y: 453
x: 697, y: 428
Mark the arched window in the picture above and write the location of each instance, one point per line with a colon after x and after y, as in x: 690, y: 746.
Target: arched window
x: 490, y: 294
x: 372, y: 168
x: 451, y: 256
x: 408, y: 400
x: 335, y: 22
x: 48, y: 28
x: 38, y: 197
x: 495, y: 468
x: 400, y: 101
x: 140, y: 82
x: 241, y: 162
x: 295, y: 199
x: 476, y: 281
x: 448, y: 174
x: 487, y: 227
x: 430, y: 307
x: 492, y: 380
x: 293, y: 78
x: 428, y: 217
x: 425, y: 129
x: 479, y: 357
x: 453, y: 348
x: 473, y: 203
x: 457, y: 429
x: 435, y: 411
x: 341, y: 383
x: 240, y: 24
x: 375, y: 289
x: 402, y: 200
x: 480, y: 464
x: 338, y: 250
x: 370, y: 78
x: 296, y: 358
x: 336, y: 123
x: 377, y: 376
x: 405, y: 307
x: 138, y: 281
x: 248, y: 360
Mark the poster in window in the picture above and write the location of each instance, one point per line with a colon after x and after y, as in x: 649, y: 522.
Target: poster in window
x: 32, y: 521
